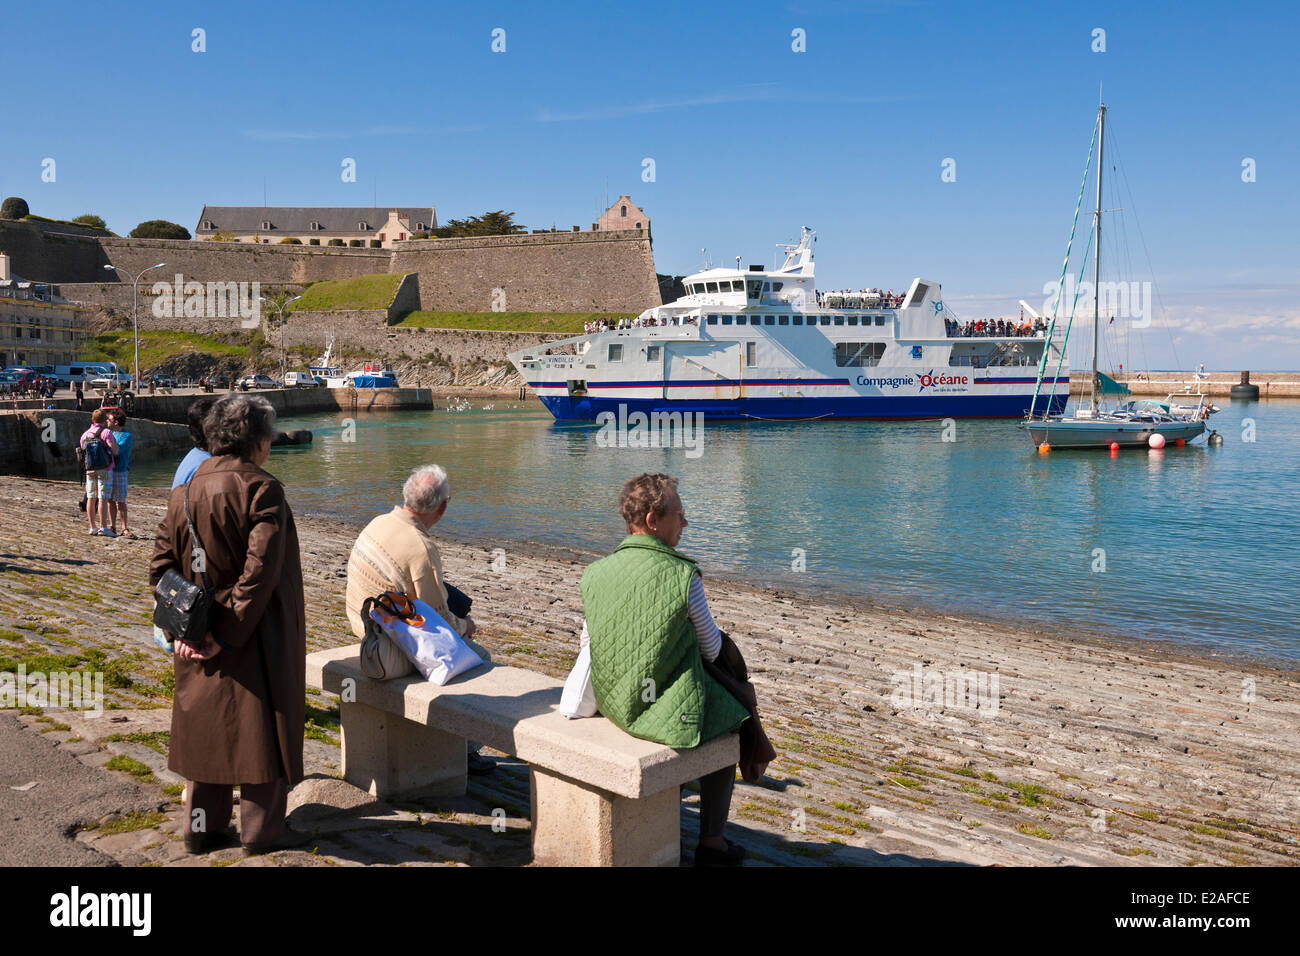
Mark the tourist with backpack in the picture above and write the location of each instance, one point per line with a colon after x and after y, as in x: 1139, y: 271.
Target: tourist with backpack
x: 121, y: 471
x: 99, y: 446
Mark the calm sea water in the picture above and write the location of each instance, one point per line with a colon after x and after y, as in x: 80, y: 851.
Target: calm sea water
x: 1200, y: 545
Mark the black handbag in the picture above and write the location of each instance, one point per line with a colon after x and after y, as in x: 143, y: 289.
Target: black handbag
x: 181, y: 607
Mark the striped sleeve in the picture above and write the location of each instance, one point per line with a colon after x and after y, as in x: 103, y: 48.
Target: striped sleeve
x: 698, y: 611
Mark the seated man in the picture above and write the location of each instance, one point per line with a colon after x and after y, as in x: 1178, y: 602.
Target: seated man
x: 396, y: 553
x: 648, y: 644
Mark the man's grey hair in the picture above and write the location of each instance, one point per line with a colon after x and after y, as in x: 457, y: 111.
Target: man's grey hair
x: 426, y: 489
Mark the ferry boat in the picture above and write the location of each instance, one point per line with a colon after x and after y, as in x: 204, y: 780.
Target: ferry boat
x: 766, y: 345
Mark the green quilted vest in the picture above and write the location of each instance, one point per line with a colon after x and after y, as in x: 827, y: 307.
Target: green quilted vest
x: 646, y: 667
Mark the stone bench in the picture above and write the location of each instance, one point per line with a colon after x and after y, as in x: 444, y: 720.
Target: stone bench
x: 599, y: 796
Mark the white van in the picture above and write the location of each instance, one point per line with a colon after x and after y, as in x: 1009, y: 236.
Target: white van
x: 85, y: 371
x: 301, y: 380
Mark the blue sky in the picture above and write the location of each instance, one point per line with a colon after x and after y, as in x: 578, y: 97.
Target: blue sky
x: 749, y: 138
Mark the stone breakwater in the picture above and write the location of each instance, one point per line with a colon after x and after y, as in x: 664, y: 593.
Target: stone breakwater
x: 1094, y: 752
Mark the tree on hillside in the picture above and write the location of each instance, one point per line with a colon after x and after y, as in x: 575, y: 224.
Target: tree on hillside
x: 94, y: 221
x: 14, y: 208
x: 159, y: 229
x: 497, y: 223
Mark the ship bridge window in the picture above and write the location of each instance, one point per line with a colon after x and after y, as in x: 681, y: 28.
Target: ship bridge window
x: 767, y: 287
x: 798, y: 320
x: 783, y: 320
x: 776, y: 286
x: 726, y: 320
x: 652, y: 353
x: 857, y: 354
x: 713, y: 320
x: 755, y: 320
x: 712, y: 286
x: 826, y: 320
x: 839, y: 320
x: 880, y: 320
x: 853, y: 320
x: 769, y: 320
x: 615, y: 352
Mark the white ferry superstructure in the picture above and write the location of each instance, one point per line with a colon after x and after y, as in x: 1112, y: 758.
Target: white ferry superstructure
x: 763, y: 344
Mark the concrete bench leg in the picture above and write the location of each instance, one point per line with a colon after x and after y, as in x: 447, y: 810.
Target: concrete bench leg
x: 578, y: 825
x: 389, y: 755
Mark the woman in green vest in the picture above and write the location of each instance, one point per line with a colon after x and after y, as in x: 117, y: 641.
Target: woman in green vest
x: 649, y: 630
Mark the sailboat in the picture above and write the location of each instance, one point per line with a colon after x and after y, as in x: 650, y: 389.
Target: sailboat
x: 1135, y: 423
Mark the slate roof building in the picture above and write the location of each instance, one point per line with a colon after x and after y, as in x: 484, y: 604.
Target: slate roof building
x: 316, y: 225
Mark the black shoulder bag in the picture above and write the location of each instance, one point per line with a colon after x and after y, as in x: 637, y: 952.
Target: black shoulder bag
x: 180, y: 606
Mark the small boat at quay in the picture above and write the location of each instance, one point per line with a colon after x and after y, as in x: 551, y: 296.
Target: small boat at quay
x: 765, y: 344
x: 1134, y: 423
x: 370, y: 375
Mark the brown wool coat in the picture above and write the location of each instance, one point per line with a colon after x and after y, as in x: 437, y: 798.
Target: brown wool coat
x: 238, y: 717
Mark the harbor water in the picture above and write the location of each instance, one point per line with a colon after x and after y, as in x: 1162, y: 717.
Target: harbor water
x: 1196, y: 545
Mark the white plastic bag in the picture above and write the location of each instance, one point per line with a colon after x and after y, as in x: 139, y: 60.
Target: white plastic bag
x: 430, y: 643
x: 579, y: 698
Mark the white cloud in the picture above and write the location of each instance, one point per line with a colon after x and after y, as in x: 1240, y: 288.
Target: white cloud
x: 767, y: 93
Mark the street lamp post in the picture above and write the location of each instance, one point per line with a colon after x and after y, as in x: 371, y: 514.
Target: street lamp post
x: 135, y: 314
x: 279, y: 308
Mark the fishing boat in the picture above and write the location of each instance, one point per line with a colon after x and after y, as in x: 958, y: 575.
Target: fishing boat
x: 1134, y: 423
x: 765, y: 344
x: 370, y: 375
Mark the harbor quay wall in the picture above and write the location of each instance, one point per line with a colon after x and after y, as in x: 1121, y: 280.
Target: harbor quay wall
x: 1219, y: 385
x: 290, y: 402
x: 43, y: 442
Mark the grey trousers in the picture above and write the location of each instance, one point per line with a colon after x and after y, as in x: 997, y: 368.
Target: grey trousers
x: 261, y: 809
x: 715, y: 800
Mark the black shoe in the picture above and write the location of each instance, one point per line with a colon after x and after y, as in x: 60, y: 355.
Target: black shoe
x: 290, y: 839
x: 478, y: 765
x: 207, y: 842
x: 733, y: 855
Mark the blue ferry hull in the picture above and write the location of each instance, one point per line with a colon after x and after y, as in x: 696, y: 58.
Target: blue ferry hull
x: 569, y: 408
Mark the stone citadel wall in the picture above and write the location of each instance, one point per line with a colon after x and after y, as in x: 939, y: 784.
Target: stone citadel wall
x: 542, y: 272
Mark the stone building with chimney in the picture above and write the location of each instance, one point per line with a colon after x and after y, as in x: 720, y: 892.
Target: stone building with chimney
x: 623, y: 214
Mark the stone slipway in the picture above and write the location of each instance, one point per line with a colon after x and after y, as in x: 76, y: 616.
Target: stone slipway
x: 1100, y: 752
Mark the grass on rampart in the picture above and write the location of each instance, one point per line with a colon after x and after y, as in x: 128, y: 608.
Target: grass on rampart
x: 363, y: 292
x: 31, y: 217
x: 158, y: 346
x: 562, y: 322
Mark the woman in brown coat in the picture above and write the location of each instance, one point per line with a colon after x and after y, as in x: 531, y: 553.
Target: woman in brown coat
x: 238, y: 712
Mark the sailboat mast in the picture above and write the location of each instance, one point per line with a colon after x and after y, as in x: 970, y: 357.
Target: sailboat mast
x: 1096, y: 261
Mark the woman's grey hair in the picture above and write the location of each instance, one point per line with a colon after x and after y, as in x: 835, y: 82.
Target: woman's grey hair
x: 237, y: 424
x: 426, y: 489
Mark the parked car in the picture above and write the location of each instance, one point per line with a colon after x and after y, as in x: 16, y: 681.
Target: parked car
x: 257, y: 381
x: 8, y: 383
x: 111, y: 381
x: 163, y: 381
x: 302, y: 380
